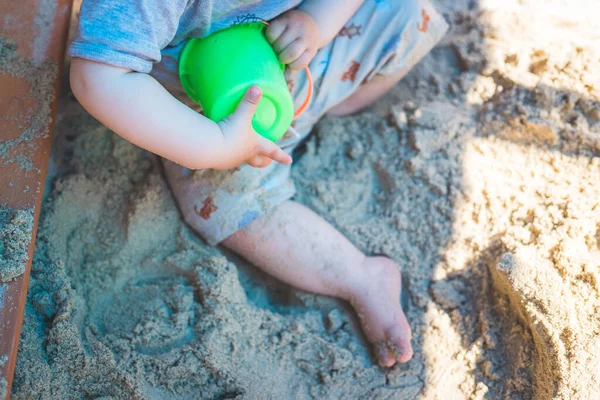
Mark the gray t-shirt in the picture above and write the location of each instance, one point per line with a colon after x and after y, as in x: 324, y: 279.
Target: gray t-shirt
x: 132, y: 33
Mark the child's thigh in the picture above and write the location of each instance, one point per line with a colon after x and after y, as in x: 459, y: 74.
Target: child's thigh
x: 383, y: 37
x: 219, y: 203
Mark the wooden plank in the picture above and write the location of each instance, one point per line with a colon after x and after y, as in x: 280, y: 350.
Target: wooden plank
x: 33, y: 36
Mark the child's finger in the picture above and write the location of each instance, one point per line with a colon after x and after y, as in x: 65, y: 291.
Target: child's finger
x: 247, y: 106
x: 275, y: 30
x: 292, y: 51
x: 272, y: 151
x: 287, y: 37
x: 302, y: 61
x: 259, y: 162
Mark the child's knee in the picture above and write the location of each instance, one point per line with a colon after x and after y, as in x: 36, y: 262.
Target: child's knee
x: 216, y: 204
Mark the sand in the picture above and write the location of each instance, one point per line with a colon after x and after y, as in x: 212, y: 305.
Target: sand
x: 15, y: 234
x: 3, y: 383
x: 479, y: 174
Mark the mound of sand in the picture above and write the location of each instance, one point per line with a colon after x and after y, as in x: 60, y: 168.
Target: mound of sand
x: 479, y: 174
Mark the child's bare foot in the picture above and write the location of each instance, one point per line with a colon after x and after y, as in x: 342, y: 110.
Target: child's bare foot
x: 334, y: 267
x: 376, y: 300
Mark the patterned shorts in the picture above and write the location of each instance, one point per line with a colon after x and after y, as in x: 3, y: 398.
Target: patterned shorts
x: 384, y: 37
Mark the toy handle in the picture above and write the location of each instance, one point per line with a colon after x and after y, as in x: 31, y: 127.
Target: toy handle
x: 304, y: 105
x: 309, y: 95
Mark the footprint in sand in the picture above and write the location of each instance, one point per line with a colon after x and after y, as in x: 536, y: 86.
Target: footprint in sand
x: 155, y: 315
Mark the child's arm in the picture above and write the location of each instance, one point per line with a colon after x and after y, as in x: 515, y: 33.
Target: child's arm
x: 139, y: 109
x: 297, y: 35
x: 330, y: 16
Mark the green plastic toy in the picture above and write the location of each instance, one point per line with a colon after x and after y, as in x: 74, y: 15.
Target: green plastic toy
x: 216, y: 71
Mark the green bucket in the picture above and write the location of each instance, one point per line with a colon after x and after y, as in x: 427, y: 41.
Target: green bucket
x: 216, y: 71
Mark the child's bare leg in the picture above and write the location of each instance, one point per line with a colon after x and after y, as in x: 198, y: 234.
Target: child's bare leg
x: 368, y: 93
x: 302, y: 249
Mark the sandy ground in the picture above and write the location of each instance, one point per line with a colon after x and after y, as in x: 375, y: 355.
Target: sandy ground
x: 479, y: 174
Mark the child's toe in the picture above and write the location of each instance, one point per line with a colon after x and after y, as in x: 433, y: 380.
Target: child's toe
x: 383, y: 352
x: 399, y: 338
x: 395, y: 347
x: 405, y: 350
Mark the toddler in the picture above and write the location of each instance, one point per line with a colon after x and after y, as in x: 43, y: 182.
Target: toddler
x: 233, y: 186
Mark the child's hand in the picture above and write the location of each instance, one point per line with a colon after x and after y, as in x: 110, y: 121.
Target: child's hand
x: 243, y: 144
x: 295, y: 37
